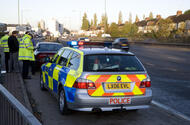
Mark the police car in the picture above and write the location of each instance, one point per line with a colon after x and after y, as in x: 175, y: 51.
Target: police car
x: 97, y: 79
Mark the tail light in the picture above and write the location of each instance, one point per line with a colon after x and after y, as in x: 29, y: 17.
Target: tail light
x: 41, y: 55
x: 145, y: 83
x: 84, y: 84
x: 80, y: 43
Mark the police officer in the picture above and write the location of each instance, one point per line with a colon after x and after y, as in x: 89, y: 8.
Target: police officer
x: 13, y: 48
x: 4, y: 44
x: 26, y: 53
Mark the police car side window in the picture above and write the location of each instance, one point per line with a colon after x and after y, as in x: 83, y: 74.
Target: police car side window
x: 74, y: 61
x: 64, y: 57
x: 54, y: 60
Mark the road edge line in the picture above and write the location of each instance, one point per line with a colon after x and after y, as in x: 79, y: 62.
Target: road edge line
x: 171, y: 110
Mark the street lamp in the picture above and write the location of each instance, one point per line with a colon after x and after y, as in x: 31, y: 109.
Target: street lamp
x: 105, y: 18
x: 18, y: 12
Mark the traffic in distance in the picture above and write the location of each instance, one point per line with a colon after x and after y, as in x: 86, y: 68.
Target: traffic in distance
x: 92, y: 76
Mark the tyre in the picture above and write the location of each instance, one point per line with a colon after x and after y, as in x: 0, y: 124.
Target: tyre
x: 62, y: 103
x: 41, y: 82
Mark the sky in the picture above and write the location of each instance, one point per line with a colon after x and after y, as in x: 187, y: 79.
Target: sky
x: 70, y: 12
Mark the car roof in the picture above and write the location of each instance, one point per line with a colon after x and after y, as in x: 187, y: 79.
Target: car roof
x: 121, y: 38
x: 89, y: 51
x: 48, y: 43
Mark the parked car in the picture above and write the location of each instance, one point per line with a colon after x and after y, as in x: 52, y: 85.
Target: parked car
x: 84, y: 39
x: 121, y: 43
x: 96, y: 79
x: 44, y: 49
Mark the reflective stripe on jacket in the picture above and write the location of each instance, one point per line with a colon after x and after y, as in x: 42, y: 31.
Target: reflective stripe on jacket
x: 26, y: 49
x: 4, y: 43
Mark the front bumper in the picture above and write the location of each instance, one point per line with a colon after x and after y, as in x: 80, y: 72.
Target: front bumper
x: 84, y: 102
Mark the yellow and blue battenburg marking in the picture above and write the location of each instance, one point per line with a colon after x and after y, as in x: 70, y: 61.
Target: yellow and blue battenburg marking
x: 53, y: 75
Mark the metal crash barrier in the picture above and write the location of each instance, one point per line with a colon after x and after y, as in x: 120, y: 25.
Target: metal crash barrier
x: 12, y: 112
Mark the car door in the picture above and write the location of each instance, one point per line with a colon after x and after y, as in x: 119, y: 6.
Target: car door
x: 48, y: 69
x: 73, y: 65
x: 60, y: 70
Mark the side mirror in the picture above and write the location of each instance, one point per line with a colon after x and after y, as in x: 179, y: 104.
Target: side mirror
x: 47, y: 59
x: 37, y: 47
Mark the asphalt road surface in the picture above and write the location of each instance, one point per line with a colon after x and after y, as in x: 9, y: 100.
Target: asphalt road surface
x: 50, y: 115
x: 169, y: 70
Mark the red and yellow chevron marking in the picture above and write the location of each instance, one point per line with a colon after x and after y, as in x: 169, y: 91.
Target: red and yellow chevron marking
x: 99, y: 91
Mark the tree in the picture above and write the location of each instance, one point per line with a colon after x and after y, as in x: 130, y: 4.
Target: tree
x: 129, y: 29
x: 104, y: 23
x: 187, y: 11
x: 137, y: 19
x: 151, y: 16
x: 130, y: 18
x: 134, y: 29
x: 114, y: 31
x: 85, y: 23
x: 181, y: 29
x: 126, y: 28
x: 164, y: 28
x: 91, y: 24
x: 120, y: 20
x: 95, y: 20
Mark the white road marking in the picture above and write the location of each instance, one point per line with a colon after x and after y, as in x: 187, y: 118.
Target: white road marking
x: 170, y: 110
x: 150, y: 64
x: 174, y: 58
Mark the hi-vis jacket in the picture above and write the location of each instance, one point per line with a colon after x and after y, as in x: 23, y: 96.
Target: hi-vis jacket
x: 26, y: 49
x: 4, y: 43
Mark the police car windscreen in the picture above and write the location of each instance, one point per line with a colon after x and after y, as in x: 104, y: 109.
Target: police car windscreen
x: 111, y: 63
x: 49, y: 47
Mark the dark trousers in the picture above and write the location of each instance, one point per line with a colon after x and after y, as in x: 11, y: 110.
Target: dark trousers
x: 33, y: 67
x: 7, y: 57
x: 25, y: 69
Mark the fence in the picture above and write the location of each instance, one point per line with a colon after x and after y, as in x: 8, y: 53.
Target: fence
x: 12, y: 112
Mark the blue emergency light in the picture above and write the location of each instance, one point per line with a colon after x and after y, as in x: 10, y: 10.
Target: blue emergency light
x: 74, y: 43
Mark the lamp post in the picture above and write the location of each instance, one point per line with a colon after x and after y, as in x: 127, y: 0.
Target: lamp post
x: 18, y: 12
x: 105, y: 19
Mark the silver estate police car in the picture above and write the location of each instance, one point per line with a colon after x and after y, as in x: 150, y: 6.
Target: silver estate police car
x: 97, y: 79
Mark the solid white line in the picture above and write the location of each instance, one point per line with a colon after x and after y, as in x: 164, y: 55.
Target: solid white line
x: 170, y: 110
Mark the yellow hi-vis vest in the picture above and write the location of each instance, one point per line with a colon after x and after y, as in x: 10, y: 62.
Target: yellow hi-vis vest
x: 26, y: 48
x: 4, y: 43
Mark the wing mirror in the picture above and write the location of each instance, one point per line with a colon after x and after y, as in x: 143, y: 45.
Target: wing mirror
x: 47, y: 59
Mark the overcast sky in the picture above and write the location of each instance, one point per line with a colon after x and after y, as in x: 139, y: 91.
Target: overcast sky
x: 70, y: 12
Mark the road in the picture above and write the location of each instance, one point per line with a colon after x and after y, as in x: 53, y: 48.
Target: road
x: 168, y: 68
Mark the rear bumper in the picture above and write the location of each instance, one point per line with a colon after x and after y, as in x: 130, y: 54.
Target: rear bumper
x: 84, y: 102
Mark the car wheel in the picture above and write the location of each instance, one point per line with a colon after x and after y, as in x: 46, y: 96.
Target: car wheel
x: 62, y: 103
x: 41, y: 82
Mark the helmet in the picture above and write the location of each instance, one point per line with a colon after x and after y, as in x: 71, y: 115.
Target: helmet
x: 29, y: 33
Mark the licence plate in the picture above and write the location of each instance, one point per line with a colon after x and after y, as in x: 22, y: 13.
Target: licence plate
x: 124, y: 44
x: 120, y: 86
x: 121, y: 100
